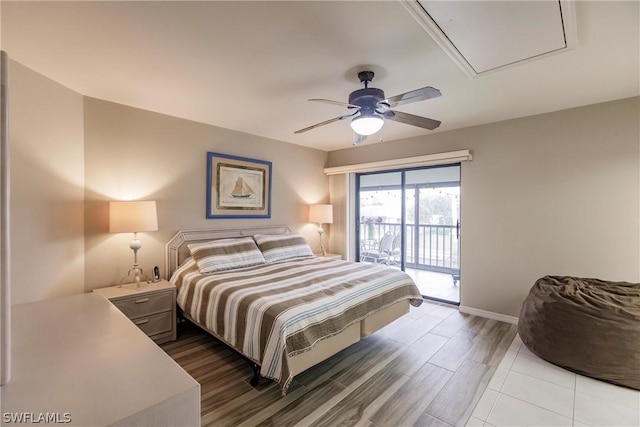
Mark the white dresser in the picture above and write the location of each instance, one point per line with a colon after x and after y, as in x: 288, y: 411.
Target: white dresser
x: 83, y: 360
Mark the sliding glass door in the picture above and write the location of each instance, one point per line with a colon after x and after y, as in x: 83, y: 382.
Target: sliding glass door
x: 410, y: 219
x: 380, y: 218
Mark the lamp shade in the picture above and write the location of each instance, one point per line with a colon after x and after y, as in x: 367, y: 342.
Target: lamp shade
x: 321, y: 214
x: 132, y: 217
x: 367, y: 125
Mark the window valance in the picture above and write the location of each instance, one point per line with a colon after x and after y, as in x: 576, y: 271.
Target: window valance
x: 406, y: 162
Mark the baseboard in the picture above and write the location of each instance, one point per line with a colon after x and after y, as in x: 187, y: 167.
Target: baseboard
x: 488, y: 314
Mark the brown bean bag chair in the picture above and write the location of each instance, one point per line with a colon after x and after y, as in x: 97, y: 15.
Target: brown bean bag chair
x: 588, y: 326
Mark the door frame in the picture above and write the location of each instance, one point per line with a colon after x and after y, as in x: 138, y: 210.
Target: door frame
x: 403, y: 226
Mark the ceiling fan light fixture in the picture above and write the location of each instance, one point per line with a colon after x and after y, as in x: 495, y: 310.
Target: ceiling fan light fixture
x: 367, y: 125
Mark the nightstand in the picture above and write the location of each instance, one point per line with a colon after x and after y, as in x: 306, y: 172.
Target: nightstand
x: 330, y: 256
x: 152, y: 307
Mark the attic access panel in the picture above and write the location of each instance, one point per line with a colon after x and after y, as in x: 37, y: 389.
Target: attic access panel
x: 486, y: 36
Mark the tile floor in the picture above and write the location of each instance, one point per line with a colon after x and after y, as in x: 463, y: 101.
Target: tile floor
x: 436, y: 285
x: 528, y: 391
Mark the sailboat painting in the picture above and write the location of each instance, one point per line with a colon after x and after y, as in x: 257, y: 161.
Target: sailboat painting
x: 238, y: 187
x: 242, y: 190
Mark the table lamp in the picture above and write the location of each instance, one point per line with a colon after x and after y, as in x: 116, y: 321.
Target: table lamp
x: 133, y: 217
x: 321, y: 214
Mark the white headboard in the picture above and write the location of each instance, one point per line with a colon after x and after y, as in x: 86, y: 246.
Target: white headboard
x: 176, y: 249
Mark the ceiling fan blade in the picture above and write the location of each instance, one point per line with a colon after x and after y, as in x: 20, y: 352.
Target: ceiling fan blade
x: 326, y: 122
x: 357, y: 138
x: 410, y: 119
x: 328, y: 101
x: 413, y: 96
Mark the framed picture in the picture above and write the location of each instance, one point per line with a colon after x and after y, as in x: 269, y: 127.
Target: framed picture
x: 238, y: 187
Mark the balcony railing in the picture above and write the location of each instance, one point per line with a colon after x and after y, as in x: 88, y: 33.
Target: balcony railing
x: 434, y: 247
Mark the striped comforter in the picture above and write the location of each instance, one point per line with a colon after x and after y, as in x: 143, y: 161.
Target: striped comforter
x: 271, y: 311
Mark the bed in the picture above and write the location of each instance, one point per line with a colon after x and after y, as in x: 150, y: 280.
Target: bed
x: 261, y: 291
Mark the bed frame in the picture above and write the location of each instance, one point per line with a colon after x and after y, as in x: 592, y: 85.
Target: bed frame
x: 176, y: 251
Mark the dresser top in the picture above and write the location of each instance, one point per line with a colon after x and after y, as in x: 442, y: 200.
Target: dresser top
x: 80, y: 355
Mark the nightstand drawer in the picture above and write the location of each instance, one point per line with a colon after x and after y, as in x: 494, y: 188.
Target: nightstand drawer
x: 151, y: 306
x: 155, y: 324
x: 145, y: 304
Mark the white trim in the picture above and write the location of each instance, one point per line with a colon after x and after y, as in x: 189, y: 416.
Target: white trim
x: 488, y: 314
x: 569, y: 23
x: 407, y: 162
x: 5, y: 277
x: 441, y: 39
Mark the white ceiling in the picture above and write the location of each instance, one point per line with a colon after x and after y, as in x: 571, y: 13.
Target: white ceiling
x: 251, y: 66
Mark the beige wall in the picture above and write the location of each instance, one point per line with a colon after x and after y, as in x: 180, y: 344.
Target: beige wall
x: 137, y: 154
x: 58, y: 136
x: 551, y: 194
x: 47, y: 187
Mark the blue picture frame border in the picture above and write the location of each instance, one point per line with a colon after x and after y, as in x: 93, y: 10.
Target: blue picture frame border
x: 211, y: 156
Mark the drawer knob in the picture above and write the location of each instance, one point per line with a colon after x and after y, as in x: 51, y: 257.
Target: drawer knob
x: 142, y: 322
x: 141, y: 300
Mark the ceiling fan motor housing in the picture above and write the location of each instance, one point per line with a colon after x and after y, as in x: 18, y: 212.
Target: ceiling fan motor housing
x: 366, y: 98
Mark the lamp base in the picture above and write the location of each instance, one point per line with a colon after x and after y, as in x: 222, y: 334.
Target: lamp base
x: 320, y: 231
x: 136, y: 278
x: 138, y: 273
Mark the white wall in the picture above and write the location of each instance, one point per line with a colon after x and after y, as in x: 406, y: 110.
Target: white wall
x: 556, y: 193
x: 47, y: 187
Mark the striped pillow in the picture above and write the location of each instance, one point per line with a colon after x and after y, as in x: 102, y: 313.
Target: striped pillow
x: 225, y: 254
x: 278, y: 247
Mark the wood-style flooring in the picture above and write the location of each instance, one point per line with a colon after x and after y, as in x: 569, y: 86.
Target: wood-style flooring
x: 428, y: 368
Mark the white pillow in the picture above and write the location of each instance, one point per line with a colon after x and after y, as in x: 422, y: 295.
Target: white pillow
x: 225, y: 254
x: 278, y: 247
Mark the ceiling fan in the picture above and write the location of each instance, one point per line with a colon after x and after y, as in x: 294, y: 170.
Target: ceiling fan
x: 374, y: 108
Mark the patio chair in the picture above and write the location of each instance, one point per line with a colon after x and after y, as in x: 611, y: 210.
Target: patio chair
x: 381, y: 254
x: 395, y: 250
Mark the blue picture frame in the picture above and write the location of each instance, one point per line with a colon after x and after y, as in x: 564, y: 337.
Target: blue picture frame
x: 238, y: 187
